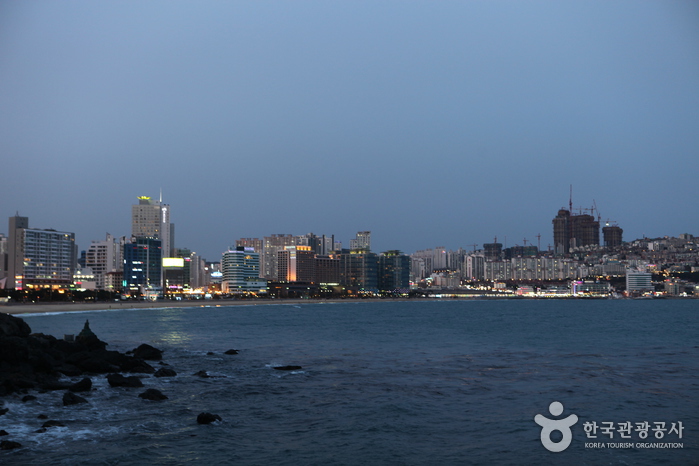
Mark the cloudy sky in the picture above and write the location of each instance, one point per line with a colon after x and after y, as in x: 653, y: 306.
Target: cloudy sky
x: 429, y: 123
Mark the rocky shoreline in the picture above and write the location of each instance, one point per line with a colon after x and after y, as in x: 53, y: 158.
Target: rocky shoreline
x: 37, y: 362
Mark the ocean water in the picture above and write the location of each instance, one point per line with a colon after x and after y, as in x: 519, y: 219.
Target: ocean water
x: 382, y: 383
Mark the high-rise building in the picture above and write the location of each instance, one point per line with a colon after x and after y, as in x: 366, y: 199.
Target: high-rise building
x: 151, y: 219
x: 359, y: 269
x: 394, y: 271
x: 612, y: 235
x: 296, y: 264
x: 241, y: 271
x: 3, y: 260
x: 362, y: 242
x: 270, y: 249
x: 39, y: 258
x: 492, y: 251
x: 104, y: 257
x: 574, y: 231
x: 255, y: 243
x: 327, y: 270
x: 142, y: 265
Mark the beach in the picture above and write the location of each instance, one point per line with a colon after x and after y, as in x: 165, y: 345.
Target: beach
x: 36, y: 308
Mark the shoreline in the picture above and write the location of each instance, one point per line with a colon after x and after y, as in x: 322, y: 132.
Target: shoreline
x: 42, y: 308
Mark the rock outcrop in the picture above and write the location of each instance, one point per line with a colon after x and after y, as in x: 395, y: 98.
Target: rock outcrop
x: 153, y: 395
x: 70, y: 398
x: 118, y: 380
x: 207, y: 418
x: 37, y: 361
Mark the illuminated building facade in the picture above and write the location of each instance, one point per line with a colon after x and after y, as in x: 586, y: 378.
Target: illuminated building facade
x: 39, y: 258
x: 142, y: 265
x: 240, y: 270
x: 104, y: 257
x: 151, y: 219
x: 296, y: 264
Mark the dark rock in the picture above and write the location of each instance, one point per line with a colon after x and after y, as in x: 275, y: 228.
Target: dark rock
x: 42, y: 416
x: 3, y: 411
x: 148, y: 352
x: 207, y: 418
x: 9, y: 445
x: 165, y: 372
x: 287, y: 368
x: 70, y: 398
x: 89, y: 339
x: 53, y: 424
x: 85, y: 385
x: 203, y: 374
x: 26, y: 398
x: 118, y: 380
x: 12, y: 326
x: 55, y: 385
x: 36, y: 361
x: 210, y: 353
x: 3, y: 432
x: 231, y: 351
x: 153, y: 395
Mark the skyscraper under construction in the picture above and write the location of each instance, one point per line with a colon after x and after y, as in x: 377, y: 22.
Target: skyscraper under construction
x: 573, y: 231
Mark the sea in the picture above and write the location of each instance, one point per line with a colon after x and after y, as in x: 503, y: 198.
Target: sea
x: 417, y: 382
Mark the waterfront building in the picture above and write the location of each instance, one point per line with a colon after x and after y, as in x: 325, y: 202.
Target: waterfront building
x: 151, y: 219
x: 240, y: 268
x: 104, y: 257
x: 393, y: 271
x: 142, y: 266
x: 270, y: 250
x: 359, y: 269
x: 637, y: 281
x: 296, y: 264
x: 39, y: 258
x: 327, y: 270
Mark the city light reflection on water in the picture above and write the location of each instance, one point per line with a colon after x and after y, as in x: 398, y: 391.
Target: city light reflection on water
x: 169, y: 326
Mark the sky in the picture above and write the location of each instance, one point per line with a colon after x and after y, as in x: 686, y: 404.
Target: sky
x: 427, y: 123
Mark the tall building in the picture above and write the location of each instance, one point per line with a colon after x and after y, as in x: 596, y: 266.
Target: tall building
x: 254, y: 243
x: 361, y: 242
x: 270, y: 249
x: 492, y: 251
x: 612, y: 235
x: 574, y: 231
x: 241, y: 271
x: 104, y: 257
x: 3, y: 260
x: 394, y: 271
x: 151, y: 219
x: 142, y: 265
x: 39, y: 258
x: 359, y: 269
x: 296, y: 264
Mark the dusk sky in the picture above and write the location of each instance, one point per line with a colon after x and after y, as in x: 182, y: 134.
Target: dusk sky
x: 428, y: 123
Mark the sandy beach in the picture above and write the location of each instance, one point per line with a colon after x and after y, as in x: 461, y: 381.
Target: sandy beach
x: 34, y: 308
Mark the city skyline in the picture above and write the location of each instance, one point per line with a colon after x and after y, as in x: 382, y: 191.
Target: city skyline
x: 427, y: 124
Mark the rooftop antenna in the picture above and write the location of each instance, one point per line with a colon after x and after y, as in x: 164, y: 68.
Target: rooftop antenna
x: 570, y: 200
